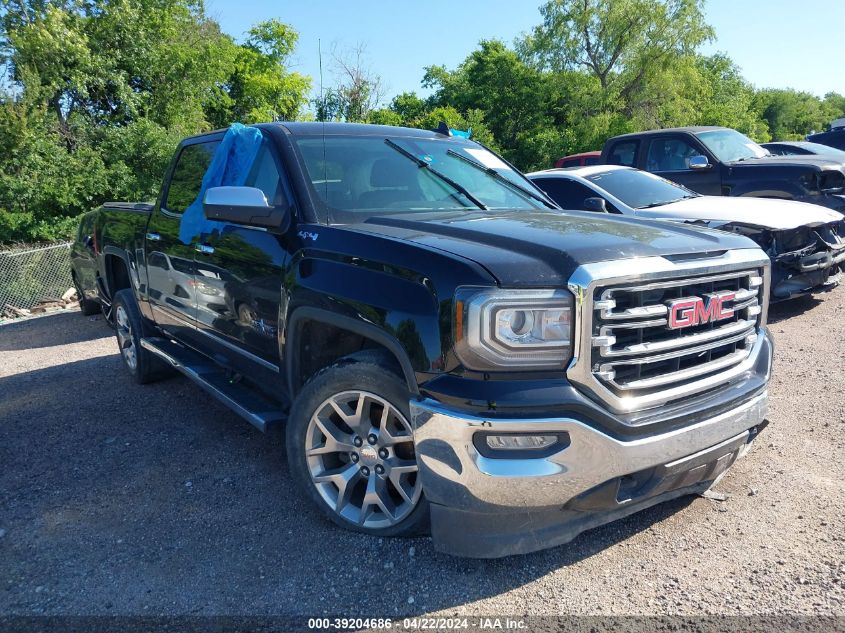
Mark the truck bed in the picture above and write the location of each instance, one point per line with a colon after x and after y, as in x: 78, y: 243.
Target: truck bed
x: 114, y: 225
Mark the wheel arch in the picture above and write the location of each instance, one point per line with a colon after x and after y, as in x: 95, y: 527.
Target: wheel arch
x: 374, y: 338
x: 115, y: 270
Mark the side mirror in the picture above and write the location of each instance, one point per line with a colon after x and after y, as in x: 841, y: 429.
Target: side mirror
x: 244, y: 205
x: 596, y: 204
x: 699, y: 162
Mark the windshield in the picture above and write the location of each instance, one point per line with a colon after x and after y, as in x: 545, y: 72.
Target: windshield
x: 639, y: 189
x: 357, y: 177
x: 824, y: 150
x: 729, y: 145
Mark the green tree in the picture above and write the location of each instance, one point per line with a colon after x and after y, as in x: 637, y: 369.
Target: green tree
x: 710, y: 90
x: 101, y: 91
x: 358, y: 90
x: 385, y: 116
x: 117, y: 60
x: 791, y: 114
x: 260, y: 88
x: 408, y: 106
x: 836, y: 103
x: 622, y: 43
x: 511, y: 96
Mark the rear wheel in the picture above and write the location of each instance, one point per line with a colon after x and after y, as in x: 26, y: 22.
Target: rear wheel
x: 351, y: 449
x: 143, y: 365
x: 106, y: 303
x: 88, y: 307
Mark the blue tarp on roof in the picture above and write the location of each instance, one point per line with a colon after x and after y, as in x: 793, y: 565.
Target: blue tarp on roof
x: 230, y: 166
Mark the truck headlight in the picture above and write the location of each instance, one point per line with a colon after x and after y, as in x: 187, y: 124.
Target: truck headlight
x: 499, y: 329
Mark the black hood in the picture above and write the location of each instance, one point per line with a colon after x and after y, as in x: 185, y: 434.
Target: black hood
x: 543, y: 248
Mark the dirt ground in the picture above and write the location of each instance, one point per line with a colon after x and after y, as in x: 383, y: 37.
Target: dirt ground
x: 122, y: 499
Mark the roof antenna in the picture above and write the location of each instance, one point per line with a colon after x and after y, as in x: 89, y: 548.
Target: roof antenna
x: 323, y: 118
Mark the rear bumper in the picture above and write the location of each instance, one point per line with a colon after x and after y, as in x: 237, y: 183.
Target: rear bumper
x: 490, y: 507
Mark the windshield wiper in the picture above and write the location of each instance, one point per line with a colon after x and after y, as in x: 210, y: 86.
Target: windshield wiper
x: 506, y: 181
x: 662, y: 202
x: 424, y: 165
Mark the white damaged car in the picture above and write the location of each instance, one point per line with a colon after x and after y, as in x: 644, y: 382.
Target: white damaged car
x: 806, y: 242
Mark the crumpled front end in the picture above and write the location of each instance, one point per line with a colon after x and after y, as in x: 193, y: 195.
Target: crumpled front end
x: 805, y: 259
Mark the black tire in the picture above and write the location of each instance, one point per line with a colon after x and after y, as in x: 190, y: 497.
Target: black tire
x: 106, y: 304
x: 364, y: 373
x: 130, y: 328
x: 88, y: 307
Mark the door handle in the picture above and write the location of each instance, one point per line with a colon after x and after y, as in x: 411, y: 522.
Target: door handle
x: 153, y: 237
x: 205, y: 249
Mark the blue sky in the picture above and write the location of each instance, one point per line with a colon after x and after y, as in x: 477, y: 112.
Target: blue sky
x: 777, y: 43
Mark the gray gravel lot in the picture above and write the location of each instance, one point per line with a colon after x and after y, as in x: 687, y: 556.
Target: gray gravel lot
x: 122, y: 499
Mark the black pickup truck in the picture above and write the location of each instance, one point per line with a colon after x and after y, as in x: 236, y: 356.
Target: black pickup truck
x: 834, y: 137
x: 447, y: 348
x: 718, y: 161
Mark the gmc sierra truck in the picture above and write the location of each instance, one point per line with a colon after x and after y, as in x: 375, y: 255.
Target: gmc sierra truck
x: 718, y: 161
x: 448, y: 350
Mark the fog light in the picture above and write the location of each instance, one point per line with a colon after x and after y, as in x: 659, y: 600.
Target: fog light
x: 520, y: 445
x: 519, y: 442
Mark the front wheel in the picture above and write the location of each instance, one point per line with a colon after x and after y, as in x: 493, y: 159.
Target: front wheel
x: 351, y: 449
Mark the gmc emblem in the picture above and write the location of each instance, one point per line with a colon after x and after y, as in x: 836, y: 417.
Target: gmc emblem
x: 691, y: 311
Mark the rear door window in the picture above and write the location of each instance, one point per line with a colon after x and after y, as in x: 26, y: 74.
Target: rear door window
x: 624, y: 153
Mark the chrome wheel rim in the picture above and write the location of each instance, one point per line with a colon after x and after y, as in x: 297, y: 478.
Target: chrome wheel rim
x: 124, y: 338
x: 360, y: 454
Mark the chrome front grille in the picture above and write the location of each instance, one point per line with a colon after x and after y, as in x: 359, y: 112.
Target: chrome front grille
x: 635, y: 350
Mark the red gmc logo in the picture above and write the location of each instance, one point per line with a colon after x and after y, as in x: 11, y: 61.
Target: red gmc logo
x: 691, y: 311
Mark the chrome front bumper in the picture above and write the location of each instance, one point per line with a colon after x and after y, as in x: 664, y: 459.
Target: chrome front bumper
x: 508, y: 506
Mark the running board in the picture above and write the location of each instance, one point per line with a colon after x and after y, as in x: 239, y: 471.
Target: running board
x: 251, y: 405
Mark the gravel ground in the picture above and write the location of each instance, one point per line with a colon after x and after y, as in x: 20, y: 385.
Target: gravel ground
x: 122, y: 499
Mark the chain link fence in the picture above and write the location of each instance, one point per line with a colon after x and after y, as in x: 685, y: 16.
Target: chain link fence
x: 33, y: 274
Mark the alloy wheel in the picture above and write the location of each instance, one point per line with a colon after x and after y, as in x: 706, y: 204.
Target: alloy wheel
x: 360, y: 454
x: 125, y: 339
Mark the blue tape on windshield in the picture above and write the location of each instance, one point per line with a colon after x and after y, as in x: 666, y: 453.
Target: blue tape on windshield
x: 230, y: 166
x: 461, y: 133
